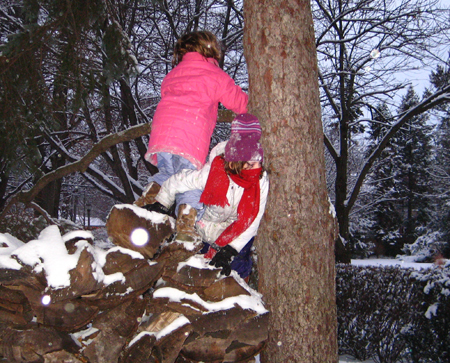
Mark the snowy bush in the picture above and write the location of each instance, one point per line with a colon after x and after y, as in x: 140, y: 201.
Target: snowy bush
x: 22, y: 223
x: 426, y: 247
x: 390, y: 314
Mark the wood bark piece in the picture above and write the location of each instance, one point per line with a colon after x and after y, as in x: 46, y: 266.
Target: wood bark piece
x: 253, y: 331
x: 69, y: 315
x: 14, y: 308
x: 223, y: 289
x: 168, y: 347
x: 124, y: 219
x: 82, y: 280
x: 115, y: 327
x: 61, y: 356
x: 174, y: 252
x: 139, y: 350
x: 139, y: 275
x: 31, y: 345
x: 193, y: 276
x: 11, y: 276
x: 207, y: 348
x: 221, y: 320
x: 239, y: 352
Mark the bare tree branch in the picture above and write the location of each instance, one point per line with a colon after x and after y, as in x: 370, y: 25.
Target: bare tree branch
x: 80, y: 165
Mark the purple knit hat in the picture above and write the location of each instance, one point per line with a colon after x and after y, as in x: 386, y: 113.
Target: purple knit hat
x: 243, y: 144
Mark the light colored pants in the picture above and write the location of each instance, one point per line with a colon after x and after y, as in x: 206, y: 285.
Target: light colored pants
x: 171, y: 164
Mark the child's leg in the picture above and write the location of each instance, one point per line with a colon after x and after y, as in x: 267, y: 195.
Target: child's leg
x: 168, y: 165
x: 242, y: 263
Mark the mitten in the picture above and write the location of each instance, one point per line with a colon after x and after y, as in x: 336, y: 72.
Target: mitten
x: 156, y: 207
x: 223, y: 259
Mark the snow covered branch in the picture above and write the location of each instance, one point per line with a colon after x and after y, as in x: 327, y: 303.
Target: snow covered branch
x: 437, y: 98
x: 80, y: 165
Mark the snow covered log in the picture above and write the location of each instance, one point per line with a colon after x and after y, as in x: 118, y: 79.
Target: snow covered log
x: 117, y: 304
x: 138, y: 229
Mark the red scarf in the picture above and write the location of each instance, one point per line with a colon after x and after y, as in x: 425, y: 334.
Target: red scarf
x: 215, y: 193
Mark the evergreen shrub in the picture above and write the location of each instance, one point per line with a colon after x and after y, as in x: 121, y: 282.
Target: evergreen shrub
x: 393, y: 314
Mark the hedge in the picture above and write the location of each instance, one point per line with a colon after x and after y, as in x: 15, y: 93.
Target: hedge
x: 392, y: 314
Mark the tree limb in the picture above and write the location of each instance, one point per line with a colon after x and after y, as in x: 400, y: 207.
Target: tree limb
x: 437, y: 98
x: 80, y: 165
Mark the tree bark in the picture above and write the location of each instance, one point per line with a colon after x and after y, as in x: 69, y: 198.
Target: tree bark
x: 296, y: 240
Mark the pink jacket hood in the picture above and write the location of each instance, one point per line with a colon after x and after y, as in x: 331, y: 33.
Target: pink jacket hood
x: 185, y: 117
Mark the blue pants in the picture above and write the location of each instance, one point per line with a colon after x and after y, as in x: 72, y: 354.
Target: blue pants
x: 171, y: 164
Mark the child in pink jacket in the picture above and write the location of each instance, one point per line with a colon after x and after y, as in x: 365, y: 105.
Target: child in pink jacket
x: 187, y: 113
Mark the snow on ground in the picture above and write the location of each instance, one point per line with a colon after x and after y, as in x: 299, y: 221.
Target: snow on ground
x: 348, y: 359
x: 405, y: 262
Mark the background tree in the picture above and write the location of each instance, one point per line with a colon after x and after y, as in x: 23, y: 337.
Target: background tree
x: 440, y: 168
x: 295, y: 242
x: 362, y: 46
x: 402, y: 182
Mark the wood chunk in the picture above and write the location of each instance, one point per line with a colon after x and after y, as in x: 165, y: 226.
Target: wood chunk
x: 61, y: 356
x: 221, y: 320
x: 124, y: 219
x: 159, y: 320
x: 32, y: 344
x: 207, y: 348
x: 11, y: 276
x: 238, y: 352
x: 118, y: 260
x: 185, y: 306
x: 192, y: 276
x: 174, y: 252
x: 18, y: 320
x: 82, y: 280
x: 222, y: 289
x: 140, y: 351
x: 69, y: 315
x: 168, y: 347
x: 253, y: 331
x: 115, y: 327
x: 105, y: 347
x: 15, y: 309
x: 139, y: 277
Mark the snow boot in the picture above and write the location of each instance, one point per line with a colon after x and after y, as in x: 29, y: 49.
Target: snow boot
x: 185, y: 226
x: 148, y: 195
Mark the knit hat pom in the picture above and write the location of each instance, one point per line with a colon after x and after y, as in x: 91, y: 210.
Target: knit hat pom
x: 243, y: 144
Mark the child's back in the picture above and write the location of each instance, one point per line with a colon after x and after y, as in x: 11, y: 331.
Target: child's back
x: 186, y: 115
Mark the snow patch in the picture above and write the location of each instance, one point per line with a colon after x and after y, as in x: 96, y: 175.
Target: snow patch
x: 244, y: 301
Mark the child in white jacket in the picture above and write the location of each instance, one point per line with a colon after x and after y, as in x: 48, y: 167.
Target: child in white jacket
x: 235, y: 189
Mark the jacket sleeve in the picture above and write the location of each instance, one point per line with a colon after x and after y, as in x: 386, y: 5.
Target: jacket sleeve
x: 187, y: 179
x: 239, y: 242
x: 232, y: 96
x: 182, y: 182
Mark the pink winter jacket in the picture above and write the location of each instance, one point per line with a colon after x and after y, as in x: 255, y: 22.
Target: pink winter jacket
x: 187, y: 113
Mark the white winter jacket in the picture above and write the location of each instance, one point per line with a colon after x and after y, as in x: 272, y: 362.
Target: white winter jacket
x: 215, y: 219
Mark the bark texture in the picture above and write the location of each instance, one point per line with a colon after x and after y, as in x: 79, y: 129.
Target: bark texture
x: 296, y: 240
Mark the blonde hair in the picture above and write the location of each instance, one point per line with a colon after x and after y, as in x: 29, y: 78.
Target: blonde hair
x: 203, y: 42
x: 236, y: 167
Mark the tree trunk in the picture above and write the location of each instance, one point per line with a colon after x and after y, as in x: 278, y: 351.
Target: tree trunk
x: 296, y: 240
